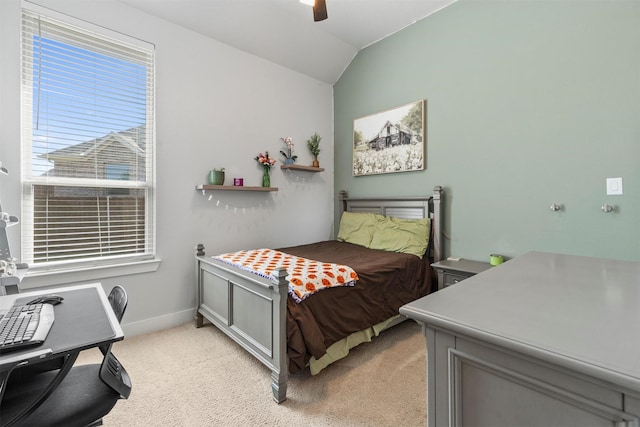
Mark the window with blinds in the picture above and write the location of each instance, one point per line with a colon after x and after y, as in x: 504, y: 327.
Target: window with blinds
x: 87, y: 143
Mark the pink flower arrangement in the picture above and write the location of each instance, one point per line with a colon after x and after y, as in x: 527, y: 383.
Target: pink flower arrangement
x: 265, y: 160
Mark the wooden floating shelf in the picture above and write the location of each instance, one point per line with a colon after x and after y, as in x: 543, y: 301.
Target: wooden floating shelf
x: 234, y: 188
x: 302, y: 168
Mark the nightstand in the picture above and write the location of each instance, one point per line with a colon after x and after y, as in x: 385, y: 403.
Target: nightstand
x: 451, y: 272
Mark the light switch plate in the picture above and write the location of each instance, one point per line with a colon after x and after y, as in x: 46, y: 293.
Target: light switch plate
x: 614, y: 186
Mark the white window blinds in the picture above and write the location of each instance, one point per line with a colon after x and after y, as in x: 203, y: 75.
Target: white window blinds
x: 87, y: 143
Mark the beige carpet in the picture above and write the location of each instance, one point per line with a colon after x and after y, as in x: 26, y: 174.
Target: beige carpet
x: 198, y: 377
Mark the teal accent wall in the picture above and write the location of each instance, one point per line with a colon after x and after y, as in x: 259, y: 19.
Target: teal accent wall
x: 529, y: 103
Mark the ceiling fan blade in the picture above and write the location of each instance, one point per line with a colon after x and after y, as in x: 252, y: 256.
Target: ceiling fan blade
x: 319, y: 10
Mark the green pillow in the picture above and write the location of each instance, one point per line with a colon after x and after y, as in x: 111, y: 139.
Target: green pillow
x: 357, y: 228
x: 410, y: 236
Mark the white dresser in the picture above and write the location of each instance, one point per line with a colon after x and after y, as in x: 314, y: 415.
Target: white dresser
x: 541, y: 340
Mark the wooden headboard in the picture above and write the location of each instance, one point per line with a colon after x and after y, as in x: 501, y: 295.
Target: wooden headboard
x: 404, y: 207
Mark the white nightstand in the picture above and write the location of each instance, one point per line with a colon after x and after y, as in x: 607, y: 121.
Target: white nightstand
x: 451, y: 272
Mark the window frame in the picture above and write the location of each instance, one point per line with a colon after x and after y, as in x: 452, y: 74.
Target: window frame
x: 97, y: 267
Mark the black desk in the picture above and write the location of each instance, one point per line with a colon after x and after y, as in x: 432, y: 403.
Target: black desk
x: 83, y: 320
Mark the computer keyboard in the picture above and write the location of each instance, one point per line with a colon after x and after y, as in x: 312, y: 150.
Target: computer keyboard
x: 25, y: 325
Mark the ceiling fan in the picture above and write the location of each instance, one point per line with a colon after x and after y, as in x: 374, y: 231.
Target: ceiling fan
x: 319, y: 9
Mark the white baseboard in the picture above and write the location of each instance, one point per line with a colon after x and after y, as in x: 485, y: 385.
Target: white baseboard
x: 158, y: 323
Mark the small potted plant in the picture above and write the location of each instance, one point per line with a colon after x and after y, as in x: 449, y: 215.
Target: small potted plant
x: 289, y: 158
x: 314, y: 147
x: 216, y: 176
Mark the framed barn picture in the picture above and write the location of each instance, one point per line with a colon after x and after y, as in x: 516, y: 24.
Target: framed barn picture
x: 390, y: 141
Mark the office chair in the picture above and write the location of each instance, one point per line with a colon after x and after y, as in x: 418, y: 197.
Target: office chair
x: 85, y: 395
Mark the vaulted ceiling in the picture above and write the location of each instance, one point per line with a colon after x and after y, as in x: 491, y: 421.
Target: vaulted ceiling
x: 283, y: 31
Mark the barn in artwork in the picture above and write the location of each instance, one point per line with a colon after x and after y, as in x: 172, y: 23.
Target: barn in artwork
x: 390, y: 135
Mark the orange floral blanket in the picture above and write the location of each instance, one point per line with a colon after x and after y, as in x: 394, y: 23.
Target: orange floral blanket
x: 305, y: 276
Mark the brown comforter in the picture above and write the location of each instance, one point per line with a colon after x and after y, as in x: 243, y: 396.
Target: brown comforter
x: 387, y: 281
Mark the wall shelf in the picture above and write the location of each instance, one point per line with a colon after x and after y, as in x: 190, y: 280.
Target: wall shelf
x: 234, y: 188
x: 302, y: 168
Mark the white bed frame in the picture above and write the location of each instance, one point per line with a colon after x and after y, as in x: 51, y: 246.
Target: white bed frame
x: 253, y: 310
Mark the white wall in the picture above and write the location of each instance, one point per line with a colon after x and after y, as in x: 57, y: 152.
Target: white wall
x: 216, y: 107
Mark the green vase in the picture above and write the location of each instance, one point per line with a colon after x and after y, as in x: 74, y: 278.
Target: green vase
x: 266, y: 179
x: 216, y: 177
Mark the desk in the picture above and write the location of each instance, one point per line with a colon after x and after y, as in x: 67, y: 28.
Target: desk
x: 542, y: 340
x: 83, y: 320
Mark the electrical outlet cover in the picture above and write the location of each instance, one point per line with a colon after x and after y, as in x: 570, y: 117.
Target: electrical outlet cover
x: 614, y: 186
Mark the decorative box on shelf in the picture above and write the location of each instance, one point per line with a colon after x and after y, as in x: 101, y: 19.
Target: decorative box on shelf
x: 234, y: 188
x: 302, y: 168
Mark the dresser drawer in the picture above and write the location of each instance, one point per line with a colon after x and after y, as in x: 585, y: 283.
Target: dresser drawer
x: 453, y: 278
x: 451, y: 272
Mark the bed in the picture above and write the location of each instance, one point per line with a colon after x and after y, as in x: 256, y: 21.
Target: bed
x: 288, y: 334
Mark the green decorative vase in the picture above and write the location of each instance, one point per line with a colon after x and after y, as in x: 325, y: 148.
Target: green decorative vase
x: 266, y: 179
x: 216, y: 177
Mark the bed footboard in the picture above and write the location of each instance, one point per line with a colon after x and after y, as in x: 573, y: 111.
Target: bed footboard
x: 249, y: 309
